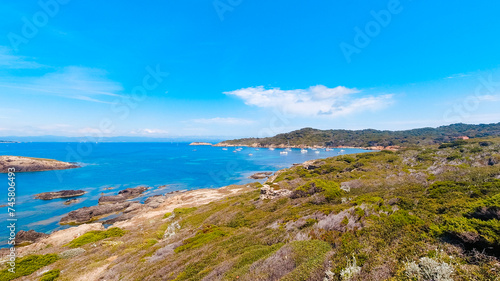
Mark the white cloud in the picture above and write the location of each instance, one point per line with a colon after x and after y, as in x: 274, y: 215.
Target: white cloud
x: 223, y: 121
x: 10, y: 61
x: 87, y: 84
x: 314, y: 101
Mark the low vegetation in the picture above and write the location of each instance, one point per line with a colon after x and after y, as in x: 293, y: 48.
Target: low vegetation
x: 420, y: 213
x: 94, y: 236
x: 50, y: 275
x: 27, y: 265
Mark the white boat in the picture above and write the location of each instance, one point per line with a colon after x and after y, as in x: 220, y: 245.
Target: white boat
x: 235, y: 151
x: 303, y: 151
x: 283, y: 152
x: 250, y: 154
x: 224, y: 148
x: 271, y: 148
x: 288, y: 149
x: 317, y: 151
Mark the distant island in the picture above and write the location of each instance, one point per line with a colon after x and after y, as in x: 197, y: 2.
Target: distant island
x: 29, y: 164
x: 370, y: 138
x: 200, y: 143
x: 4, y: 141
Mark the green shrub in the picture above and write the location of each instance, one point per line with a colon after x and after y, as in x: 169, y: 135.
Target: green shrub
x: 50, y: 275
x: 96, y: 235
x: 202, y: 237
x: 308, y: 257
x: 441, y: 188
x: 27, y: 265
x: 309, y: 222
x: 238, y: 221
x: 183, y: 211
x: 454, y: 156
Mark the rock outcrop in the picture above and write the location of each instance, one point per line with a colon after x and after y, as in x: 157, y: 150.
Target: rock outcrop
x: 59, y: 194
x: 88, y: 214
x: 260, y: 175
x: 28, y: 164
x: 29, y: 236
x: 123, y: 195
x: 267, y: 192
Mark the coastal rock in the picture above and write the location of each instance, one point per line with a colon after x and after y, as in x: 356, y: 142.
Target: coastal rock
x: 29, y: 236
x: 155, y: 201
x: 123, y: 195
x: 88, y: 214
x: 71, y: 201
x: 260, y: 175
x: 312, y: 164
x: 28, y: 164
x: 200, y: 143
x: 59, y: 194
x: 267, y: 192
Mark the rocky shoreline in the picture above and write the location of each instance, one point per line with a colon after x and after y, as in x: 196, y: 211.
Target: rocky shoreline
x: 133, y: 216
x: 29, y: 164
x: 258, y: 145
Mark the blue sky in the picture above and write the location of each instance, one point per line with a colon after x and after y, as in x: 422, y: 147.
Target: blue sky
x: 245, y: 68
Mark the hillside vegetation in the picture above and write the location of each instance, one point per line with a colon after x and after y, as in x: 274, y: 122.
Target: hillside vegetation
x: 421, y: 213
x: 370, y: 137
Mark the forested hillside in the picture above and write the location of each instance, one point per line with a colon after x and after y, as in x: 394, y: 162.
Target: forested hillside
x: 370, y: 137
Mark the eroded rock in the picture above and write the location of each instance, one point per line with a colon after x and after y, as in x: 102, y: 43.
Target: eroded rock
x: 59, y: 194
x: 123, y: 195
x: 267, y: 192
x: 260, y: 175
x: 88, y: 214
x: 29, y: 236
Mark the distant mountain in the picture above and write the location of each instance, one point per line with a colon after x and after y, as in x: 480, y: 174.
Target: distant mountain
x: 371, y: 137
x: 48, y: 138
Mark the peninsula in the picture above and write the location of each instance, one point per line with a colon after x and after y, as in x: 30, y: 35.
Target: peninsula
x: 29, y: 164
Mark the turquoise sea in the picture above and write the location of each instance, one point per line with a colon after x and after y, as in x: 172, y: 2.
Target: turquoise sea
x: 122, y: 165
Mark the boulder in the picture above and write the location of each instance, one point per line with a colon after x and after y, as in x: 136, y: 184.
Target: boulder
x: 29, y: 236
